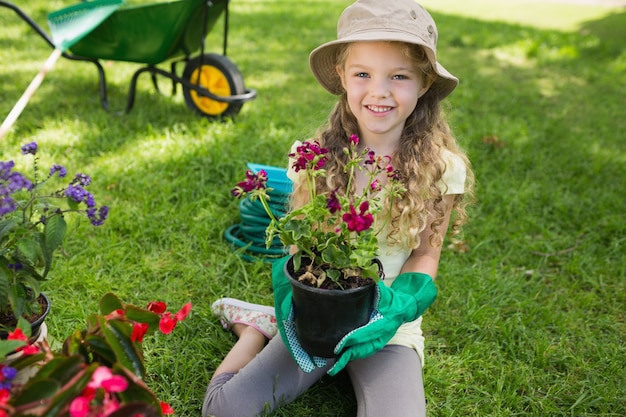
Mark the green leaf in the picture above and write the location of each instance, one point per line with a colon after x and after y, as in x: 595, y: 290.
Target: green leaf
x: 29, y: 251
x: 4, y: 285
x: 54, y: 232
x: 9, y: 346
x: 117, y: 334
x: 101, y: 348
x: 6, y: 226
x: 62, y: 369
x: 69, y: 392
x: 336, y: 257
x: 109, y: 303
x: 39, y: 390
x: 138, y: 390
x: 141, y: 315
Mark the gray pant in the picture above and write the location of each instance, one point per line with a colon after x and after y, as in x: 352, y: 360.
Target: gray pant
x: 389, y: 384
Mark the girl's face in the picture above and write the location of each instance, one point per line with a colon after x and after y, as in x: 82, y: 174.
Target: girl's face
x: 382, y: 86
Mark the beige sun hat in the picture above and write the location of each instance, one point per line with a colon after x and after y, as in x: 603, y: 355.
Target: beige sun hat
x: 381, y: 20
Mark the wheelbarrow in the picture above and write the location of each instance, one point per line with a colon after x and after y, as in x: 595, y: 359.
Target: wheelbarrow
x: 155, y: 33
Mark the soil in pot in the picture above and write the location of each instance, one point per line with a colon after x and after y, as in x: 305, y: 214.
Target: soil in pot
x: 324, y: 316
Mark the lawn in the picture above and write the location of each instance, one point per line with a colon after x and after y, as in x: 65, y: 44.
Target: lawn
x: 530, y: 318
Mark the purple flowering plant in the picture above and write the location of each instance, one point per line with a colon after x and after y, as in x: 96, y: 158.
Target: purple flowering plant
x: 336, y: 233
x: 33, y: 226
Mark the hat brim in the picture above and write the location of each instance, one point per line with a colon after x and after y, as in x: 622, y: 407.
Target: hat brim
x: 323, y: 61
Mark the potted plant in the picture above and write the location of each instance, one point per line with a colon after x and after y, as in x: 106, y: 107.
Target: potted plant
x: 32, y: 228
x: 100, y: 371
x: 336, y: 237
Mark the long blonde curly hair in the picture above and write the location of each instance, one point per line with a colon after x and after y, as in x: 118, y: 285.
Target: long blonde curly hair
x: 418, y: 159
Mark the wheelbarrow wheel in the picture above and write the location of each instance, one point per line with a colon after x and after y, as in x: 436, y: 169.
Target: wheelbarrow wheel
x: 220, y: 76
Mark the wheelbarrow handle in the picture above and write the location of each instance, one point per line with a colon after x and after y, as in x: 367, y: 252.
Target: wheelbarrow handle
x: 30, y: 90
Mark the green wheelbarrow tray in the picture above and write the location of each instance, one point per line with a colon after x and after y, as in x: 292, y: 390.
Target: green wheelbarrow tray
x: 150, y: 33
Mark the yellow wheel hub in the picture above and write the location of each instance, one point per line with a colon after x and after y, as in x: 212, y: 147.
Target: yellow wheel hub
x: 215, y: 81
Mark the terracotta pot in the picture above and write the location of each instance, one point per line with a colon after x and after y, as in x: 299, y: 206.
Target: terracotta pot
x: 322, y: 316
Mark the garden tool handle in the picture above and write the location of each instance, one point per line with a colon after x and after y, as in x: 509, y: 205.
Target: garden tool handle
x: 30, y: 90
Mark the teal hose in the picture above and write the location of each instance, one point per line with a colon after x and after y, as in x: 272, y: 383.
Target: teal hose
x: 247, y: 238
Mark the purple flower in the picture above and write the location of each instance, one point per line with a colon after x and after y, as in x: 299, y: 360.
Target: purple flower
x: 81, y: 179
x: 354, y: 139
x: 18, y: 182
x: 76, y: 193
x: 9, y: 372
x: 98, y: 216
x: 29, y: 148
x: 332, y: 204
x: 5, y: 169
x: 7, y: 205
x: 89, y: 200
x: 358, y: 222
x: 58, y: 168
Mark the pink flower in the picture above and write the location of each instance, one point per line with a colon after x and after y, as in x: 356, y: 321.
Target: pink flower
x: 105, y: 379
x: 354, y: 139
x: 375, y: 186
x: 361, y: 221
x: 79, y: 407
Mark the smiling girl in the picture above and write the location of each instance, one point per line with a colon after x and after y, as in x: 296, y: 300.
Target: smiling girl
x: 384, y: 70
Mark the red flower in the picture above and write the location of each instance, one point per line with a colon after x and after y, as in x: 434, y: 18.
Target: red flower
x: 167, y: 323
x: 28, y: 350
x: 309, y: 155
x: 361, y: 221
x: 17, y: 334
x: 166, y: 408
x: 253, y: 182
x: 157, y: 307
x: 183, y: 312
x: 139, y: 331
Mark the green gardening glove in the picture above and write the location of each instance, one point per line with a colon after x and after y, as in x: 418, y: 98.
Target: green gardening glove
x: 283, y: 308
x: 407, y: 299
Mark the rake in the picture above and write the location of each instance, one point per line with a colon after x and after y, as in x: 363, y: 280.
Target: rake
x: 67, y: 26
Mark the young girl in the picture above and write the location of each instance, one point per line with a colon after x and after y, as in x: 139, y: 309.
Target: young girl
x: 384, y: 69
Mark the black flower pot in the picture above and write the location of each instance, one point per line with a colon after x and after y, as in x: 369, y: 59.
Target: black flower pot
x: 37, y: 324
x: 324, y: 316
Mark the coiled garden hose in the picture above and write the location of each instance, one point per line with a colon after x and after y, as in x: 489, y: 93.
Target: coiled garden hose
x: 248, y: 238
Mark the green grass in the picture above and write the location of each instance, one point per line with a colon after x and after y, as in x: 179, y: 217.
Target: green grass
x: 529, y: 321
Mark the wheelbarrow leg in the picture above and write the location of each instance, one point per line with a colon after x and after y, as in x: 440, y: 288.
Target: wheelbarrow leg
x: 102, y: 83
